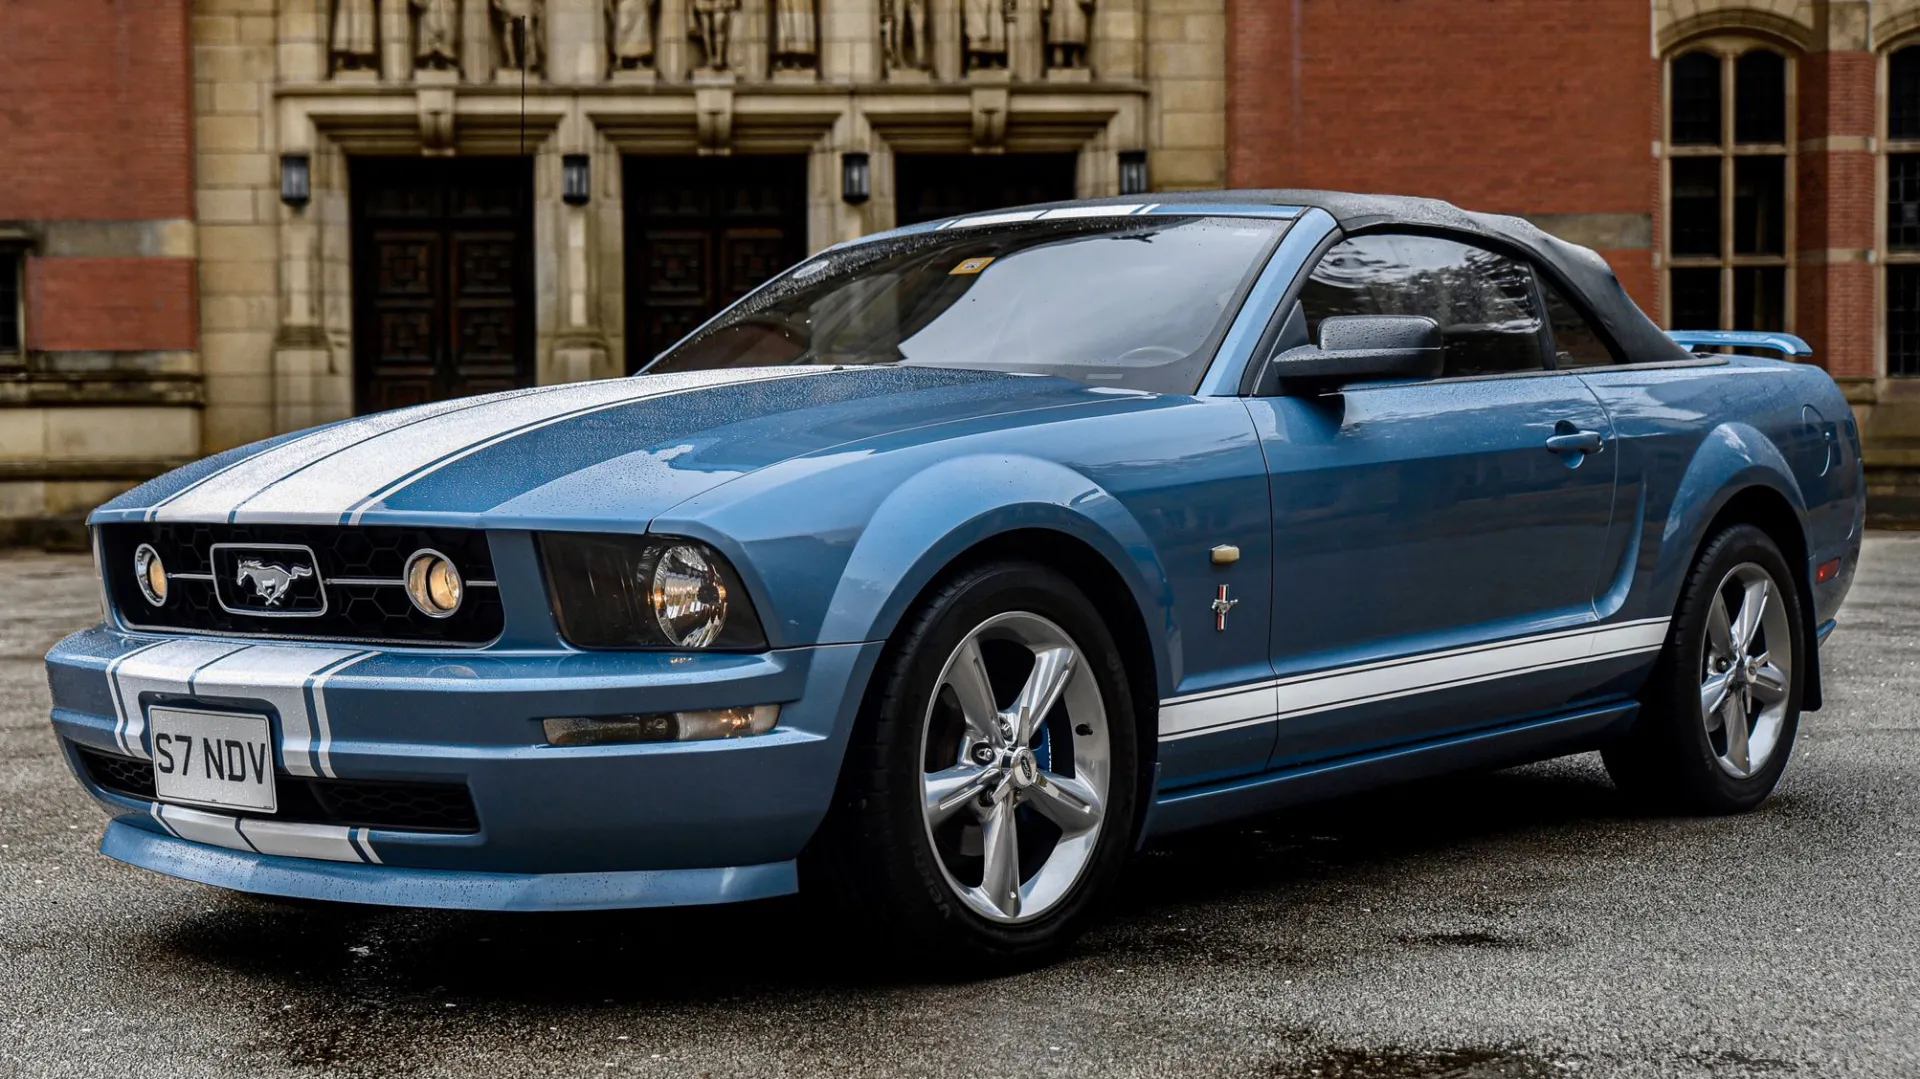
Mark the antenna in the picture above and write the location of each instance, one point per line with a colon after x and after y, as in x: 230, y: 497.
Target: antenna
x: 520, y: 50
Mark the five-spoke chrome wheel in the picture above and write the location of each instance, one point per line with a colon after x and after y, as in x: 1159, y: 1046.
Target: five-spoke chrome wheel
x: 1747, y: 669
x: 1016, y: 764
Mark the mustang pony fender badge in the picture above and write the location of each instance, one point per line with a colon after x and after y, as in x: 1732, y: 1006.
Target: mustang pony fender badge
x: 1221, y: 605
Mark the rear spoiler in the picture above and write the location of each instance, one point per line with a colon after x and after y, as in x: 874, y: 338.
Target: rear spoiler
x: 1785, y: 344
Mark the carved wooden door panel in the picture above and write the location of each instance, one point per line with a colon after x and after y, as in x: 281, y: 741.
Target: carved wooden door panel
x: 701, y: 233
x: 931, y: 186
x: 443, y: 279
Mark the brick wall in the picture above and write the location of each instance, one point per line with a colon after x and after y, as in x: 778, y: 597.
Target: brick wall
x: 1517, y: 106
x: 96, y: 126
x: 96, y: 185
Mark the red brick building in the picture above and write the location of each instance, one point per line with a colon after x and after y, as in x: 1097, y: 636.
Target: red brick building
x: 98, y: 323
x: 212, y: 212
x: 1743, y: 164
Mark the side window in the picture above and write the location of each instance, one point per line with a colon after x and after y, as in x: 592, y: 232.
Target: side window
x: 1483, y: 302
x: 1575, y: 341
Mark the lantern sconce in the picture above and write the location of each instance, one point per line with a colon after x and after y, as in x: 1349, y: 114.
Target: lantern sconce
x: 296, y: 180
x: 576, y: 179
x: 1133, y: 172
x: 856, y: 178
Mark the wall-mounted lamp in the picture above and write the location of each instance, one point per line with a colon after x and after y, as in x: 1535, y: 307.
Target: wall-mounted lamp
x: 1133, y: 172
x: 296, y: 180
x: 576, y: 179
x: 856, y: 178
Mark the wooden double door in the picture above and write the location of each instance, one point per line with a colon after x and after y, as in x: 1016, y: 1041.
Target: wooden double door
x: 931, y: 186
x: 701, y: 232
x: 442, y: 278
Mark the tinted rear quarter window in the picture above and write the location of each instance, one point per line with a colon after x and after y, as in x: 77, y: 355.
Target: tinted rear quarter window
x: 1483, y: 301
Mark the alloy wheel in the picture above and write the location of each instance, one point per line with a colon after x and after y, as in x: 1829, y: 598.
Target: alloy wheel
x: 1016, y: 764
x: 1746, y: 670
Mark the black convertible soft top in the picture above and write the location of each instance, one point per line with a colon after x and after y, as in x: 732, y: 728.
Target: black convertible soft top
x: 1577, y: 268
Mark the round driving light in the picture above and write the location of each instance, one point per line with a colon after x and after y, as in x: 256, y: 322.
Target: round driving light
x: 151, y: 573
x: 689, y: 598
x: 433, y: 584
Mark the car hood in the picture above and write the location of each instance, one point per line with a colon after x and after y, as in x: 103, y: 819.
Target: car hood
x: 613, y: 453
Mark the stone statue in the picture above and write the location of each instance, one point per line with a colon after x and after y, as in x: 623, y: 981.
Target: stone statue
x: 436, y: 34
x: 903, y: 35
x: 794, y: 37
x: 1067, y: 31
x: 632, y: 34
x: 516, y: 26
x: 984, y: 27
x: 713, y: 29
x: 356, y: 36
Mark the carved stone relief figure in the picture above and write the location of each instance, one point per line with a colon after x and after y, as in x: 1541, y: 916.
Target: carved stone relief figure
x: 356, y: 36
x: 516, y: 26
x: 713, y: 29
x: 794, y: 35
x: 632, y: 35
x: 436, y: 34
x: 1067, y: 32
x: 984, y: 26
x: 903, y: 34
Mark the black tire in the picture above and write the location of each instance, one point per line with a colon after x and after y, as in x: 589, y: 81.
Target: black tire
x: 875, y: 858
x: 1670, y: 760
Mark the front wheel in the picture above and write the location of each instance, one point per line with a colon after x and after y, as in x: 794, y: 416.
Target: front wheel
x: 988, y: 798
x: 1719, y: 714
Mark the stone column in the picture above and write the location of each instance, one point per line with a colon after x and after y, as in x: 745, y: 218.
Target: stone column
x: 948, y: 53
x: 1835, y: 274
x: 576, y: 42
x: 302, y: 36
x: 572, y: 336
x: 396, y: 41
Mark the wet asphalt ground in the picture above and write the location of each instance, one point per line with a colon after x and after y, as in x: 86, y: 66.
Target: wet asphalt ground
x: 1510, y: 926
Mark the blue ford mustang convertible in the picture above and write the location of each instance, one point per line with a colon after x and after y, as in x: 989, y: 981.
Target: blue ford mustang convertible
x: 951, y: 565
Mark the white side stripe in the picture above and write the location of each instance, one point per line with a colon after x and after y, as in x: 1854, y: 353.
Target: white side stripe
x: 1345, y: 687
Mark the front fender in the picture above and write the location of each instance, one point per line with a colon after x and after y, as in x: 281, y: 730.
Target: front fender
x: 939, y: 513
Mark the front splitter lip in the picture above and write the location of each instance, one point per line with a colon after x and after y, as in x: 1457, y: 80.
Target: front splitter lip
x: 399, y: 886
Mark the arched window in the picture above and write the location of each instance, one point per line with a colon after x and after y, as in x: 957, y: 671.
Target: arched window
x: 1729, y: 183
x: 1903, y: 212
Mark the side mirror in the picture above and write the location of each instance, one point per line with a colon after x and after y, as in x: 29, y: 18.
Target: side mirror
x: 1360, y: 348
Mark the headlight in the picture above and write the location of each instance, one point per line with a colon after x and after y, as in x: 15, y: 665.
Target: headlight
x: 646, y: 592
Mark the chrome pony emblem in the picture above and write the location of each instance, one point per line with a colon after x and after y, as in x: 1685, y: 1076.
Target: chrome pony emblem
x: 270, y: 581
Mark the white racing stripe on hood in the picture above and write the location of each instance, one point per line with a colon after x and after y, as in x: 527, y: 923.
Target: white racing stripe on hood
x: 333, y: 476
x: 213, y: 496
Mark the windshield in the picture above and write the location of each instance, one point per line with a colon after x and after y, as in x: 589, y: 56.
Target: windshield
x: 1139, y: 302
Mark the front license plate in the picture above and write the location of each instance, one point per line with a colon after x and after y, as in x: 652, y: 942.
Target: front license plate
x: 212, y: 758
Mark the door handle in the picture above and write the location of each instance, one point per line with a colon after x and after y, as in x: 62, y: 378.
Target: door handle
x: 1574, y: 442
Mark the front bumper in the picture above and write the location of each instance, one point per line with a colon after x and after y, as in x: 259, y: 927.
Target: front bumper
x: 558, y: 828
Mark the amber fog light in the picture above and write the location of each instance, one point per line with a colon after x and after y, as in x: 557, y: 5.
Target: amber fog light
x: 661, y: 726
x: 433, y: 584
x: 151, y: 573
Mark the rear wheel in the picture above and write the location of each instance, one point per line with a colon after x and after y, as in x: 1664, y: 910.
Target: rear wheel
x: 988, y: 798
x: 1719, y: 714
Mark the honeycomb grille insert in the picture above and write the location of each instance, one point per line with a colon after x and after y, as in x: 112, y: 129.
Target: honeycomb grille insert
x: 398, y: 807
x: 348, y: 560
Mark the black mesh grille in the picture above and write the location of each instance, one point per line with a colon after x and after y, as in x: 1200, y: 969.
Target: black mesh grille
x: 402, y: 807
x: 355, y: 611
x: 122, y: 775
